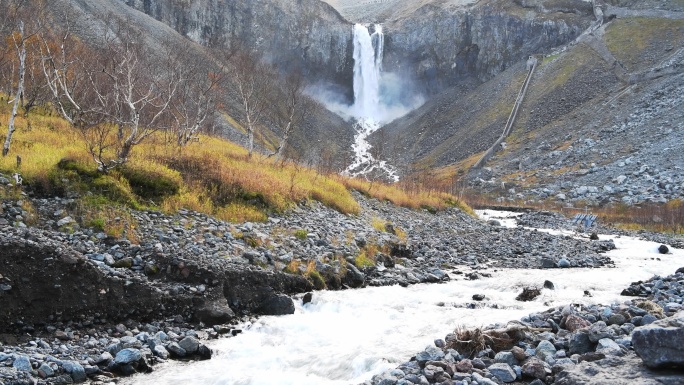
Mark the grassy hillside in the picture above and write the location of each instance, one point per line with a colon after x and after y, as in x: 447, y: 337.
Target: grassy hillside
x: 213, y: 176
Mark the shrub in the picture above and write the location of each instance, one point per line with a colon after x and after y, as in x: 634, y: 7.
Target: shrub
x: 317, y: 280
x: 363, y: 261
x: 301, y: 234
x: 238, y: 213
x: 151, y: 180
x: 379, y: 224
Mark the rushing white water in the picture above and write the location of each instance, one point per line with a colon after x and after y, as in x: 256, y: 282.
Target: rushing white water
x: 347, y: 337
x: 367, y: 108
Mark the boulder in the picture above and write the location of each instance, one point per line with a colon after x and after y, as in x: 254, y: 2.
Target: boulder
x: 127, y: 356
x: 215, y: 313
x: 661, y: 343
x: 278, y: 304
x: 663, y: 249
x: 76, y: 370
x: 190, y: 344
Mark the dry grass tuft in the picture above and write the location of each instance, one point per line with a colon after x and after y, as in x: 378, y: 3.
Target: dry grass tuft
x: 469, y: 342
x: 528, y: 294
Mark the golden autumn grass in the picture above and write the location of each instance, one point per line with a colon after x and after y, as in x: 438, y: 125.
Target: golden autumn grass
x: 213, y: 176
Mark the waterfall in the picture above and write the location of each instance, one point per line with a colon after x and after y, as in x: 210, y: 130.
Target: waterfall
x: 367, y: 108
x: 368, y: 51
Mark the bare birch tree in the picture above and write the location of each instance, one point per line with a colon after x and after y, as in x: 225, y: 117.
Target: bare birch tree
x: 289, y: 107
x: 21, y: 32
x: 252, y: 80
x: 117, y: 94
x: 194, y: 106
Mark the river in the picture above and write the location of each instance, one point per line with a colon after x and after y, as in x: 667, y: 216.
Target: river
x: 346, y: 337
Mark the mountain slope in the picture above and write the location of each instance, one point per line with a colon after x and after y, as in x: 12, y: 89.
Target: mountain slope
x: 602, y: 121
x: 321, y: 130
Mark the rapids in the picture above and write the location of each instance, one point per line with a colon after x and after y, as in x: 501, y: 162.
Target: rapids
x: 346, y: 337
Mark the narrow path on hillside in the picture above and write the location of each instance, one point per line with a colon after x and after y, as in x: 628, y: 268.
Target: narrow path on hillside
x: 531, y: 66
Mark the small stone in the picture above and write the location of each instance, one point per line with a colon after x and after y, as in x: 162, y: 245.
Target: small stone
x: 663, y: 249
x: 534, y: 368
x: 65, y: 221
x: 563, y: 263
x: 478, y: 297
x: 45, y: 370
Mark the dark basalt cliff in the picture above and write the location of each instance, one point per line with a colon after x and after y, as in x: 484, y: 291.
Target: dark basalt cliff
x: 306, y: 34
x: 436, y: 44
x: 442, y: 46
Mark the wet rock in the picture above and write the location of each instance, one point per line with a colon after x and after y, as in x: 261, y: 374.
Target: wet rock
x: 215, y: 313
x: 277, y: 305
x: 549, y: 285
x: 431, y: 353
x: 528, y: 294
x: 176, y: 350
x: 478, y: 297
x: 662, y: 249
x: 189, y: 344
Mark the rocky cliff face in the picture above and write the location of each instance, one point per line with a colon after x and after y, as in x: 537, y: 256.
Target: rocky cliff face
x: 442, y: 45
x: 437, y: 44
x: 305, y: 34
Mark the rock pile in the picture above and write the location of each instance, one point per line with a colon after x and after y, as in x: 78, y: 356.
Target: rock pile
x: 565, y: 345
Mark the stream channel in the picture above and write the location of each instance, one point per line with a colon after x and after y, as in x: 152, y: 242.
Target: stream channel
x: 346, y: 337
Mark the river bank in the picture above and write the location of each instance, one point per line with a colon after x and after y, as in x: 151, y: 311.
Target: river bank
x: 73, y: 295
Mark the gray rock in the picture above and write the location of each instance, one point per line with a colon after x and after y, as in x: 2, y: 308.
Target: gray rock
x: 608, y: 347
x: 65, y: 221
x: 431, y: 353
x: 563, y: 263
x: 278, y: 304
x: 76, y: 370
x: 176, y: 350
x: 189, y: 344
x: 46, y: 370
x: 502, y: 371
x: 580, y: 343
x: 22, y: 364
x: 215, y: 313
x: 104, y: 358
x: 506, y: 358
x: 161, y: 352
x: 127, y: 356
x: 661, y: 344
x: 545, y: 350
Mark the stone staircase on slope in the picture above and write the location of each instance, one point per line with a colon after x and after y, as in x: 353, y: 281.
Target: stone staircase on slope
x: 531, y: 66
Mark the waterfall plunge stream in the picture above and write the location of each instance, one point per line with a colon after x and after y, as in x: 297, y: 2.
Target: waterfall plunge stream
x: 367, y: 108
x: 346, y: 337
